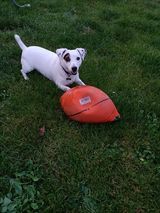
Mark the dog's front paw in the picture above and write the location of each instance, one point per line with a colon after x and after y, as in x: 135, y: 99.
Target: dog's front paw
x: 83, y: 84
x: 68, y: 88
x: 62, y: 87
x: 80, y: 83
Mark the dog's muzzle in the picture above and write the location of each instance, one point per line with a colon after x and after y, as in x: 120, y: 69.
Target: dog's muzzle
x: 74, y: 70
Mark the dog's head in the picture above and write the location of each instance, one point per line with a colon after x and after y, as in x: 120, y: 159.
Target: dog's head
x: 71, y: 60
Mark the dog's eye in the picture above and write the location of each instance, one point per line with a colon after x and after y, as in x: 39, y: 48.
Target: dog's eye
x: 78, y: 58
x: 67, y: 58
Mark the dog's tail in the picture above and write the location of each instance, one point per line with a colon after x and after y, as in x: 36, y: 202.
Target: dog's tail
x: 20, y: 42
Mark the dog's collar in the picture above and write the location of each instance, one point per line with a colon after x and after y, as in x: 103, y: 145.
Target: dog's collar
x: 68, y: 74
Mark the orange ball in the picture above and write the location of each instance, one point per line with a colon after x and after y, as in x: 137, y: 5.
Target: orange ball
x: 88, y: 104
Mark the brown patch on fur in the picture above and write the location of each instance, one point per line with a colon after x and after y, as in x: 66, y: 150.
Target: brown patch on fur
x: 67, y: 57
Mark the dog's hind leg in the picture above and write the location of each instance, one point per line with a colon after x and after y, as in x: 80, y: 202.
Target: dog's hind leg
x: 26, y: 68
x: 24, y: 75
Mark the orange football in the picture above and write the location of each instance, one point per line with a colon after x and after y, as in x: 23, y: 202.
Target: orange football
x: 88, y: 104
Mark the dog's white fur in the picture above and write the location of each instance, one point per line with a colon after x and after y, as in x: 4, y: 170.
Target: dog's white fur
x: 52, y: 65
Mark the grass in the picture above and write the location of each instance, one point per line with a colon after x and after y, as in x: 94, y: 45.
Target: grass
x: 82, y: 167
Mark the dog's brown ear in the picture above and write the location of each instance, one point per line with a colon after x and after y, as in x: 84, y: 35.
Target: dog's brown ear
x: 82, y: 52
x: 61, y: 51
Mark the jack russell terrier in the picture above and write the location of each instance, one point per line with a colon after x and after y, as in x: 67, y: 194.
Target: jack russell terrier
x: 61, y: 67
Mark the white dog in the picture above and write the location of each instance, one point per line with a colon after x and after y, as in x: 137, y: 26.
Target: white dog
x: 60, y: 67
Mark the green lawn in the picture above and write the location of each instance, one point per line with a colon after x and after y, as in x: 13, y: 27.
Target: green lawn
x: 81, y: 168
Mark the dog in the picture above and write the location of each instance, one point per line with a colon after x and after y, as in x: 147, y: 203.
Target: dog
x: 61, y: 67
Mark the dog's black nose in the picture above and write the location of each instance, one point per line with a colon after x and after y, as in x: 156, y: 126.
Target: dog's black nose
x: 74, y: 69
